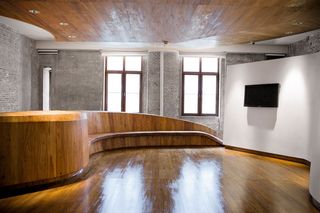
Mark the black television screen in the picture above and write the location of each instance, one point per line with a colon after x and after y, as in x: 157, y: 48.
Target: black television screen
x: 261, y: 95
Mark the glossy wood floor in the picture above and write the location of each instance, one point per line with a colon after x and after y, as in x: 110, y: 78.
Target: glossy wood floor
x: 176, y: 180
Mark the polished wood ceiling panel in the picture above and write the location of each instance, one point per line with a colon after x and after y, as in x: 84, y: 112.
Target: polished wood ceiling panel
x: 224, y: 21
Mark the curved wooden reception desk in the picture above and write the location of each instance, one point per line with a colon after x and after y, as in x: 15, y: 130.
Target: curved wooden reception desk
x: 40, y: 147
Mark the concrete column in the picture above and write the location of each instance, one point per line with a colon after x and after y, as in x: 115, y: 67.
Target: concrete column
x: 161, y: 82
x: 171, y: 84
x: 153, y: 83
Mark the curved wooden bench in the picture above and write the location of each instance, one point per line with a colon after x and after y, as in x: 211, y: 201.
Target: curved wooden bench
x: 39, y: 147
x: 114, y: 130
x: 112, y: 122
x: 110, y: 141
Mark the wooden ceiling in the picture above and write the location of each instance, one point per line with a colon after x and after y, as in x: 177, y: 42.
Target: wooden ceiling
x: 226, y: 21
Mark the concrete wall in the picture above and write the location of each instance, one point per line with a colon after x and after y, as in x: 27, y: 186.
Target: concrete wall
x: 240, y: 58
x: 309, y: 45
x: 18, y: 67
x: 76, y: 80
x: 293, y: 128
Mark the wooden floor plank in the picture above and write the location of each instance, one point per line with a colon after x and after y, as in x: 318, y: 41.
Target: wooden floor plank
x: 176, y: 180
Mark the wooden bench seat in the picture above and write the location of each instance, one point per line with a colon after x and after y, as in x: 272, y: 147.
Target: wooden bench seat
x: 110, y: 141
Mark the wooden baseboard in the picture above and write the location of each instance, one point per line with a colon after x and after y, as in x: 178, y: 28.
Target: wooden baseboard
x: 267, y: 154
x: 314, y: 202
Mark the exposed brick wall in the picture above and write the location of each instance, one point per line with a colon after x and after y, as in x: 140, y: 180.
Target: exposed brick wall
x: 152, y: 83
x: 76, y: 80
x: 144, y: 83
x: 18, y: 61
x: 214, y: 122
x: 172, y: 89
x: 171, y: 84
x: 309, y: 45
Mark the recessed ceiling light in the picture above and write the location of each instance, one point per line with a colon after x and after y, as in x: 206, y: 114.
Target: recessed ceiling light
x: 296, y: 3
x: 165, y: 42
x: 63, y: 24
x: 289, y: 33
x: 71, y: 36
x: 296, y: 23
x: 34, y: 11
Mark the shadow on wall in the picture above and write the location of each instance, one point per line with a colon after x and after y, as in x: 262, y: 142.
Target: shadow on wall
x: 264, y: 118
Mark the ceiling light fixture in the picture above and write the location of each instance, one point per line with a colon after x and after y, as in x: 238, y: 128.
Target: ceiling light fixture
x: 296, y: 23
x: 164, y: 43
x: 296, y: 3
x: 34, y: 11
x: 63, y: 24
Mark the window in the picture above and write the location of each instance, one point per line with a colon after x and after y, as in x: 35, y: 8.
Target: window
x: 200, y: 76
x: 123, y: 83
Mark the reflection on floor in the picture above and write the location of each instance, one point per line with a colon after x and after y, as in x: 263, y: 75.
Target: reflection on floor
x: 176, y: 180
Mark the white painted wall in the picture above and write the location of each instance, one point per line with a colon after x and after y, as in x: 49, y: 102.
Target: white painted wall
x: 292, y: 129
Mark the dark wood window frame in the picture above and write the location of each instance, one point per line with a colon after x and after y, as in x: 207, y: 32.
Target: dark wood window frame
x: 200, y: 74
x: 124, y: 74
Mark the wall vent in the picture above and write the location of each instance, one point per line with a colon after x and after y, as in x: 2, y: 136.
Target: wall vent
x: 47, y: 52
x: 271, y: 56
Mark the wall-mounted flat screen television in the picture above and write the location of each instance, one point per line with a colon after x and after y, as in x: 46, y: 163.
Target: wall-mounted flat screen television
x: 261, y: 95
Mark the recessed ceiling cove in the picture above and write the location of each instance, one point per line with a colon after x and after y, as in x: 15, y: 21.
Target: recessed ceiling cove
x: 224, y: 21
x: 29, y: 30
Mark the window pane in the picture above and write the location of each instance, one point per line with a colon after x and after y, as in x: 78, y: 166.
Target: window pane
x: 115, y: 63
x: 209, y: 94
x: 133, y: 63
x: 132, y: 93
x: 190, y: 94
x: 114, y: 93
x: 191, y: 64
x: 209, y: 65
